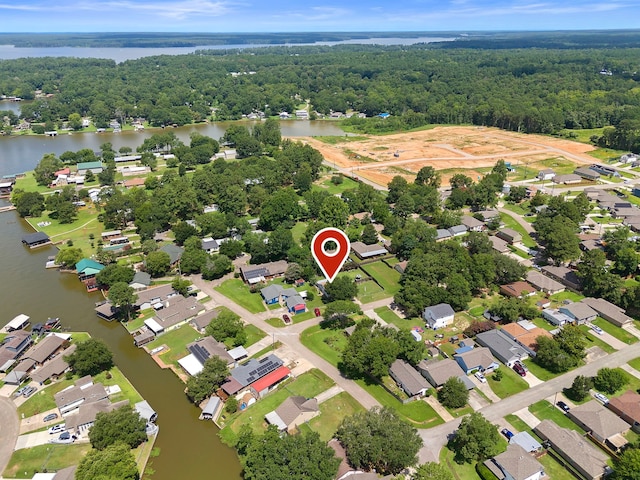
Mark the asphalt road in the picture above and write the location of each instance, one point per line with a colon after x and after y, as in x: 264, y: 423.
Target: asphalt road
x: 9, y: 427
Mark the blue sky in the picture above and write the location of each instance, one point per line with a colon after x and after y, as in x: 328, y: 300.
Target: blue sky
x: 315, y: 15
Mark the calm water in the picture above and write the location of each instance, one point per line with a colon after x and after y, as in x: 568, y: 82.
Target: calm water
x: 8, y: 52
x: 22, y: 153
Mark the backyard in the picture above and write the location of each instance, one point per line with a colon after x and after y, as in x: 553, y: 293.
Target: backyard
x: 545, y: 411
x: 25, y: 463
x: 325, y: 342
x: 387, y: 277
x: 176, y: 343
x: 237, y: 291
x: 332, y: 412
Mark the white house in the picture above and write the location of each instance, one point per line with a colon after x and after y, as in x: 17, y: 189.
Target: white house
x: 438, y: 316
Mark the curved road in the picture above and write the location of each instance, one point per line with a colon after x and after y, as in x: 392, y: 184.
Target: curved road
x: 9, y: 428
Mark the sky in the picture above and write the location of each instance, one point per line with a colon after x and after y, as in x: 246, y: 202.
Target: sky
x: 224, y: 16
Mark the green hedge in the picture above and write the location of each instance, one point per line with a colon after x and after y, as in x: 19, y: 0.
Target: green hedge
x: 484, y: 472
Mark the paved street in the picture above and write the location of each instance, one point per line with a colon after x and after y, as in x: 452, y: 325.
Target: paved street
x: 9, y: 427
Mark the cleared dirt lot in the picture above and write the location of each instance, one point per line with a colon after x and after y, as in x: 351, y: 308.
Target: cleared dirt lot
x: 452, y: 150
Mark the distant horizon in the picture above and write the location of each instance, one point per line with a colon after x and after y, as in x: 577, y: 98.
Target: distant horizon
x: 287, y: 16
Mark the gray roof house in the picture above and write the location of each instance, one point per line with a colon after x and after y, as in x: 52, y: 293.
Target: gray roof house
x: 71, y: 398
x: 604, y: 425
x: 498, y: 244
x: 209, y: 245
x: 526, y: 441
x: 443, y: 234
x: 207, y: 347
x: 607, y: 310
x: 564, y: 275
x: 292, y: 412
x: 408, y: 378
x: 579, y: 312
x: 141, y: 281
x: 438, y: 316
x: 437, y: 373
x: 543, y: 283
x: 488, y: 215
x: 53, y: 368
x: 509, y: 235
x: 458, y: 230
x: 502, y: 347
x: 178, y: 310
x: 44, y: 349
x: 472, y: 224
x: 271, y: 293
x: 175, y: 252
x: 478, y: 358
x: 515, y: 464
x: 244, y: 375
x: 201, y: 322
x: 575, y: 449
x: 154, y: 296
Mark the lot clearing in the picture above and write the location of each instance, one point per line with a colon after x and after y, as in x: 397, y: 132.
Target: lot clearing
x: 472, y: 150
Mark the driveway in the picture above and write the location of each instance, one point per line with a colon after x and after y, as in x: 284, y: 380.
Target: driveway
x: 9, y: 427
x: 30, y: 440
x: 608, y: 339
x: 36, y: 422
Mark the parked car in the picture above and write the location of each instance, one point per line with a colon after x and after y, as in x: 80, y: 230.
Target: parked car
x: 57, y: 428
x: 601, y: 397
x: 286, y: 318
x: 51, y: 416
x: 28, y: 391
x: 480, y: 377
x: 563, y: 406
x: 507, y: 433
x: 64, y: 436
x: 596, y: 329
x: 519, y: 370
x: 317, y: 312
x: 20, y: 391
x: 524, y: 367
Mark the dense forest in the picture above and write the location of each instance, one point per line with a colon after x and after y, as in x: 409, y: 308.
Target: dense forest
x: 528, y: 90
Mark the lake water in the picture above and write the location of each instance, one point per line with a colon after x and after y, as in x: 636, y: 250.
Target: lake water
x: 9, y: 52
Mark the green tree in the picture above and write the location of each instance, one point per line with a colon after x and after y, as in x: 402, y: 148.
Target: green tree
x: 228, y: 328
x: 90, y: 357
x: 123, y: 297
x: 378, y: 439
x: 475, y: 440
x: 432, y: 471
x: 68, y: 257
x: 214, y: 373
x: 272, y: 456
x: 122, y: 425
x: 181, y: 285
x: 28, y: 204
x: 182, y: 231
x: 149, y: 246
x: 114, y: 462
x: 44, y: 172
x: 114, y: 273
x: 342, y: 288
x: 580, y: 388
x: 453, y: 394
x: 610, y: 380
x: 428, y: 176
x: 627, y: 466
x: 369, y: 235
x: 158, y: 263
x: 293, y: 273
x: 75, y: 121
x: 551, y: 356
x: 217, y: 267
x: 334, y: 212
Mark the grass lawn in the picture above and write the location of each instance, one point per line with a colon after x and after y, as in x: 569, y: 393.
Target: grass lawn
x: 42, y: 400
x: 566, y: 295
x: 328, y: 186
x: 278, y: 322
x: 138, y: 322
x: 554, y: 470
x: 516, y: 208
x: 332, y: 412
x: 176, y: 342
x: 592, y: 340
x: 635, y: 363
x: 26, y: 462
x: 308, y: 385
x: 86, y: 223
x: 237, y: 291
x: 325, y: 342
x: 254, y: 334
x: 270, y: 348
x: 606, y: 154
x: 516, y: 422
x: 538, y: 371
x: 298, y: 231
x: 389, y: 316
x: 510, y: 222
x: 370, y: 291
x: 466, y: 471
x: 388, y: 278
x: 545, y: 411
x: 128, y: 392
x: 620, y: 333
x: 418, y: 413
x: 510, y: 384
x: 542, y: 323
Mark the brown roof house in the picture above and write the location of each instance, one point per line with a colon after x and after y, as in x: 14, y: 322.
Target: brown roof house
x: 177, y: 311
x: 607, y: 310
x: 564, y: 275
x: 602, y: 424
x: 543, y: 283
x: 294, y: 411
x: 518, y: 289
x: 627, y: 407
x: 437, y: 373
x: 515, y: 464
x: 201, y: 322
x: 45, y: 349
x: 575, y: 449
x: 509, y: 235
x: 83, y: 391
x: 363, y: 250
x: 579, y: 312
x: 408, y: 378
x: 54, y: 368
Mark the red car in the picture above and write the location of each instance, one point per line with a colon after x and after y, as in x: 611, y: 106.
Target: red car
x: 317, y: 311
x: 519, y: 370
x: 286, y: 318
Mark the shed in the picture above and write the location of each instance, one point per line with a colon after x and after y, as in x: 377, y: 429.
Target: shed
x: 211, y: 408
x: 18, y: 323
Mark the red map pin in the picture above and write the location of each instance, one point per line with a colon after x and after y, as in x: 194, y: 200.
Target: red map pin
x: 330, y: 262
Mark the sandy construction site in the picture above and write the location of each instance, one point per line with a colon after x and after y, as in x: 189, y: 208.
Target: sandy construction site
x: 469, y: 150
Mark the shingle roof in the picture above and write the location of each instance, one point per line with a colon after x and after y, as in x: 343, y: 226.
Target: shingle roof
x: 518, y: 462
x: 44, y: 349
x: 504, y: 348
x: 443, y: 370
x: 542, y: 282
x: 627, y: 404
x: 441, y: 310
x: 178, y: 310
x: 71, y: 395
x: 476, y: 357
x: 175, y: 252
x: 602, y: 422
x: 579, y: 310
x: 409, y: 377
x: 293, y: 301
x: 208, y: 347
x: 292, y: 407
x: 271, y: 291
x: 56, y: 367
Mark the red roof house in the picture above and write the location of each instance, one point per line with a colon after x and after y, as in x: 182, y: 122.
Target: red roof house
x: 262, y: 386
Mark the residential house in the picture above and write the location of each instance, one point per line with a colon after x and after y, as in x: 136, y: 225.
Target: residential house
x: 208, y: 347
x: 587, y: 173
x: 259, y: 273
x: 271, y: 293
x: 458, y: 230
x: 45, y: 349
x: 81, y: 421
x: 443, y: 234
x: 607, y: 310
x: 498, y: 244
x: 106, y: 236
x: 294, y: 411
x: 525, y: 335
x: 575, y: 449
x: 154, y: 297
x: 265, y: 384
x: 176, y: 312
x: 473, y: 224
x: 175, y: 252
x: 141, y: 281
x: 244, y: 375
x: 408, y: 378
x: 201, y: 322
x: 438, y: 372
x: 19, y: 322
x: 564, y: 275
x: 603, y: 169
x: 555, y: 317
x: 479, y: 358
x: 364, y: 251
x: 517, y: 289
x: 438, y: 316
x: 87, y: 270
x: 627, y: 407
x: 15, y: 377
x: 488, y: 215
x: 93, y: 167
x: 602, y: 424
x: 83, y: 391
x: 13, y: 346
x: 509, y: 235
x: 567, y: 179
x: 209, y: 245
x: 295, y: 304
x: 546, y: 174
x: 53, y: 369
x: 134, y: 182
x: 628, y: 158
x: 526, y: 441
x: 579, y: 312
x: 505, y: 349
x: 515, y: 464
x: 400, y: 267
x: 34, y: 240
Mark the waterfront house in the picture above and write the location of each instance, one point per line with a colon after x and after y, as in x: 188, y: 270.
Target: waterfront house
x: 202, y: 321
x: 176, y: 312
x: 438, y: 316
x: 515, y: 464
x: 265, y: 384
x: 17, y: 323
x: 291, y: 413
x: 478, y: 358
x: 54, y: 368
x: 140, y: 281
x: 85, y: 416
x: 6, y: 187
x: 505, y: 349
x: 579, y: 312
x: 83, y: 391
x: 543, y: 283
x: 408, y: 378
x: 201, y: 350
x: 438, y: 372
x: 259, y: 273
x: 45, y: 349
x: 575, y: 449
x: 87, y: 270
x: 602, y: 424
x: 244, y: 375
x: 154, y: 297
x: 93, y: 167
x: 364, y: 251
x: 627, y: 407
x: 34, y: 240
x: 13, y: 346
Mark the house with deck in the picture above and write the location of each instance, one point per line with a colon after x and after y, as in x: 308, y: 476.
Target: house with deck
x: 87, y: 270
x: 35, y: 240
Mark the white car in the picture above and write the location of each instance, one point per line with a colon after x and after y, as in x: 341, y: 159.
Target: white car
x: 57, y: 429
x: 596, y: 329
x: 603, y: 398
x: 480, y: 377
